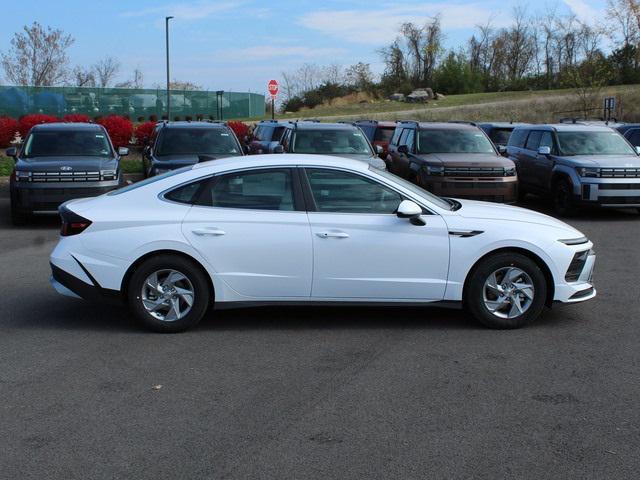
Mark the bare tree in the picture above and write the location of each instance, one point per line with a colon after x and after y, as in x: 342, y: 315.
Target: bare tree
x: 180, y: 85
x: 37, y: 56
x: 106, y: 70
x: 359, y: 75
x: 624, y: 17
x: 83, y: 77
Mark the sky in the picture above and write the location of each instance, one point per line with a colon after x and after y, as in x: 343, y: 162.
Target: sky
x: 240, y: 45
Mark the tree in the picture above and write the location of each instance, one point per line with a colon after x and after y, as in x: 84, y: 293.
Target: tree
x: 106, y: 70
x: 136, y: 81
x: 359, y: 75
x: 83, y: 77
x: 37, y: 56
x: 179, y: 85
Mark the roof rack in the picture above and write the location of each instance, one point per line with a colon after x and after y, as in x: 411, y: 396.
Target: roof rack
x: 463, y: 122
x: 408, y: 121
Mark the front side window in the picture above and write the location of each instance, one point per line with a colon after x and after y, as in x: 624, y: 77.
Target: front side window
x: 345, y: 192
x: 546, y: 140
x: 518, y: 138
x: 409, y: 141
x: 593, y: 143
x: 269, y: 189
x: 67, y: 143
x: 396, y: 136
x: 534, y: 140
x: 196, y: 141
x: 328, y: 142
x: 453, y: 141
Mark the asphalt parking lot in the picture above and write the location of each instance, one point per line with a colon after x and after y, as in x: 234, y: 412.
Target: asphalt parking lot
x: 319, y: 392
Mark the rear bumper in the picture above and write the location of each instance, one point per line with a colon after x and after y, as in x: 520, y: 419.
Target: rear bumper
x: 46, y: 198
x: 492, y: 189
x: 71, y: 286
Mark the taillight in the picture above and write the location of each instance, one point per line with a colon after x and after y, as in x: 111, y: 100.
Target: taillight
x: 72, y: 223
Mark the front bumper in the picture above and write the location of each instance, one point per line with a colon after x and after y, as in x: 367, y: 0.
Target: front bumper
x: 610, y: 192
x: 46, y: 198
x: 582, y: 289
x: 491, y: 189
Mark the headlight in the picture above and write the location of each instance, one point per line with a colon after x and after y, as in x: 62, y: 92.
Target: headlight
x: 574, y: 241
x: 435, y: 170
x: 510, y: 172
x: 108, y: 174
x: 588, y: 172
x: 23, y: 176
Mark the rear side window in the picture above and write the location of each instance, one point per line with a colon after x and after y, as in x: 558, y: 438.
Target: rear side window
x: 185, y: 193
x: 518, y: 138
x: 269, y: 189
x: 534, y: 140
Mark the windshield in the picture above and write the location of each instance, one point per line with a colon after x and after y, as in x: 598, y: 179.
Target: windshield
x: 593, y: 143
x: 440, y: 202
x: 196, y: 141
x: 384, y: 134
x: 67, y: 143
x: 453, y: 141
x: 150, y: 180
x: 343, y: 141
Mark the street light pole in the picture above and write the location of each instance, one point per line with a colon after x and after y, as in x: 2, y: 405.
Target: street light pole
x: 166, y: 23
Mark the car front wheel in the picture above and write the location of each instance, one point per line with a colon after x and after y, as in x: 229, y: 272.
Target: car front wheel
x: 506, y: 290
x: 563, y: 202
x: 168, y: 293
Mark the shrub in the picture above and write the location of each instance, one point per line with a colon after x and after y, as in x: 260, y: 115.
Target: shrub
x: 27, y: 121
x: 143, y: 132
x: 120, y: 129
x: 8, y: 129
x: 76, y: 118
x: 241, y: 129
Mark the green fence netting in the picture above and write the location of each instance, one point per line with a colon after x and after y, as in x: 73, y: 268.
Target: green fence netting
x: 136, y: 103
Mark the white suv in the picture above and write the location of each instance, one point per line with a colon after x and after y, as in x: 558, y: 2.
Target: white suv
x: 312, y: 229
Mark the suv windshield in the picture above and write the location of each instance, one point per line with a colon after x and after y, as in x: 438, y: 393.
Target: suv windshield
x: 593, y: 143
x: 67, y: 143
x: 329, y: 142
x: 453, y: 141
x: 196, y: 141
x: 500, y: 136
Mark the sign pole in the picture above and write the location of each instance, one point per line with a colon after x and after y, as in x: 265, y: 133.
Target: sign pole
x: 273, y: 108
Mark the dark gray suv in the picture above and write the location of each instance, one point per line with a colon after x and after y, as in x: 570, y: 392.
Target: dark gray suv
x: 578, y: 165
x: 59, y: 162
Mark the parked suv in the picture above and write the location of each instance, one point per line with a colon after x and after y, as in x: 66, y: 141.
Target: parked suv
x: 452, y: 160
x: 378, y: 133
x: 266, y: 137
x: 577, y: 165
x: 499, y: 133
x: 630, y: 131
x: 337, y: 139
x: 59, y: 162
x: 178, y: 144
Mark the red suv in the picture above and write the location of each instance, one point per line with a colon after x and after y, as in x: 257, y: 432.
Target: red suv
x: 378, y: 133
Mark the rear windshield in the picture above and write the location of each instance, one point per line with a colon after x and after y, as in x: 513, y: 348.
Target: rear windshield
x: 67, y: 143
x: 196, y: 141
x: 453, y: 141
x: 593, y: 143
x: 384, y: 134
x: 329, y: 142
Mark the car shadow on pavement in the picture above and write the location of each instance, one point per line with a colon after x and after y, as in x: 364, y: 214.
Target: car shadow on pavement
x: 543, y: 205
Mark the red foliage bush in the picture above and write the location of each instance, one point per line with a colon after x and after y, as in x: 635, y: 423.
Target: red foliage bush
x: 143, y: 132
x: 241, y: 129
x: 76, y: 118
x: 27, y: 121
x: 120, y: 129
x: 8, y: 129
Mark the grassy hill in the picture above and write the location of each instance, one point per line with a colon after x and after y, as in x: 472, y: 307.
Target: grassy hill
x: 528, y: 106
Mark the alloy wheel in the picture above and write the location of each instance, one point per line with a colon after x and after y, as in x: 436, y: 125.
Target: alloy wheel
x: 508, y: 292
x: 167, y: 295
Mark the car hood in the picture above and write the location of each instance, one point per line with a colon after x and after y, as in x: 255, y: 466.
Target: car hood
x: 54, y: 164
x: 606, y: 161
x: 184, y: 160
x: 473, y: 209
x: 465, y: 160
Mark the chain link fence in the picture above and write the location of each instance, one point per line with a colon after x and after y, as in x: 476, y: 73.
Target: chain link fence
x: 137, y: 104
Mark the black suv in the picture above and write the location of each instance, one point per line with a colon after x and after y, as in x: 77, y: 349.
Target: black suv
x: 59, y: 162
x: 266, y: 137
x: 177, y: 144
x: 337, y: 139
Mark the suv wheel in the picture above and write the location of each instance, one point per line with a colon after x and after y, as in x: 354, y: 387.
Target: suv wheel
x: 563, y: 198
x: 18, y: 217
x: 506, y: 290
x: 168, y: 294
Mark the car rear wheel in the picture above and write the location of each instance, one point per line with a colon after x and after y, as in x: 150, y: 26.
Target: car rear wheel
x: 563, y: 202
x: 506, y: 290
x: 168, y: 293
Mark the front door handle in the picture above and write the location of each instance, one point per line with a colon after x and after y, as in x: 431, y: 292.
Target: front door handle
x: 332, y: 235
x: 208, y: 232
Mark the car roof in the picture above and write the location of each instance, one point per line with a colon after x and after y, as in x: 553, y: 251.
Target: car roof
x: 187, y: 124
x: 379, y: 123
x: 446, y: 126
x: 61, y: 126
x: 324, y: 126
x: 568, y: 127
x: 502, y: 124
x: 285, y: 159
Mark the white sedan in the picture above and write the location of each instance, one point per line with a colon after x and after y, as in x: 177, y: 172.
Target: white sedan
x: 292, y: 229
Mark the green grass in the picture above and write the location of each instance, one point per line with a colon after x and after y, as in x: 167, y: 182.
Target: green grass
x: 6, y: 166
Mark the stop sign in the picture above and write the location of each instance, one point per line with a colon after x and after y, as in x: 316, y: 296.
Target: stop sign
x: 273, y: 88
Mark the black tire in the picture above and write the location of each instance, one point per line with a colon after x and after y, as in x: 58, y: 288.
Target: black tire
x: 474, y: 296
x: 196, y: 277
x: 563, y: 202
x: 522, y: 194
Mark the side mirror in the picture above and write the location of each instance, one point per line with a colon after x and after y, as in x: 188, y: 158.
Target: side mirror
x: 278, y: 149
x: 403, y: 149
x: 502, y: 149
x: 12, y: 152
x: 123, y: 151
x: 379, y: 149
x: 410, y: 210
x: 544, y: 151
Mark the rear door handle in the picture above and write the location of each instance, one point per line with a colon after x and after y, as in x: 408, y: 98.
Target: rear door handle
x: 332, y: 235
x: 216, y: 232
